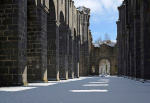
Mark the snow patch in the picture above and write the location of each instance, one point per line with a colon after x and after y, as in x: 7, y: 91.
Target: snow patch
x: 41, y: 84
x: 15, y: 89
x: 112, y: 43
x: 96, y: 45
x: 94, y: 90
x: 96, y: 85
x: 98, y: 82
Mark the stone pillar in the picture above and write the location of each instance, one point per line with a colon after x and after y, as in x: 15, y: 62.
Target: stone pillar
x: 37, y: 41
x: 13, y: 42
x: 128, y: 37
x: 71, y: 36
x: 70, y: 60
x: 75, y: 52
x: 53, y: 49
x: 126, y: 59
x: 81, y: 71
x: 52, y: 43
x: 63, y: 57
x: 78, y: 56
x: 119, y: 47
x: 137, y: 43
x: 131, y: 46
x: 145, y: 50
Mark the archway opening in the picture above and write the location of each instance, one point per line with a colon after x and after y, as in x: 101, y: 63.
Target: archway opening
x: 52, y: 12
x: 104, y: 67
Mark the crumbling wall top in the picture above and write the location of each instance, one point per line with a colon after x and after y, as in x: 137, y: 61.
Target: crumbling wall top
x: 84, y: 10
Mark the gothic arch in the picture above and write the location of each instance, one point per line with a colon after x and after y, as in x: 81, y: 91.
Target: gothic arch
x: 52, y: 10
x: 62, y: 19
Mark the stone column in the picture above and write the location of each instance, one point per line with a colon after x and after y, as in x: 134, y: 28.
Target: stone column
x: 137, y: 43
x: 53, y: 42
x: 118, y: 47
x: 75, y: 53
x: 37, y: 41
x: 53, y: 49
x: 70, y: 64
x: 13, y: 42
x: 145, y: 50
x: 63, y: 58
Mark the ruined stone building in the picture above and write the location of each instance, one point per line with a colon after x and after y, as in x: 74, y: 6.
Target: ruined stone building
x: 134, y: 39
x: 43, y: 40
x: 104, y: 52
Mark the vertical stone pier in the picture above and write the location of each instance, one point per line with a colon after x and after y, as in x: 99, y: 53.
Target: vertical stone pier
x: 13, y: 42
x: 37, y: 41
x: 53, y: 43
x: 63, y: 58
x: 145, y: 31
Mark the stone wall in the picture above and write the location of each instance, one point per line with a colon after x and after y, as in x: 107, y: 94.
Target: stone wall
x: 104, y: 52
x: 13, y: 42
x: 37, y: 42
x: 133, y: 39
x: 43, y: 40
x: 84, y: 40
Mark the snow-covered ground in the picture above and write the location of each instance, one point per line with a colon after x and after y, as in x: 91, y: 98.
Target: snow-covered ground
x: 82, y: 90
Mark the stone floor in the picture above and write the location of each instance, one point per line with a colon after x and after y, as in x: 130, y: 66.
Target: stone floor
x: 82, y: 90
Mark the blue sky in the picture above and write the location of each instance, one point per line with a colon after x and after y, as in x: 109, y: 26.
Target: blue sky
x: 104, y: 14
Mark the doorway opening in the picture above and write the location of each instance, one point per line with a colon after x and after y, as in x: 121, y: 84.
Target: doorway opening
x: 104, y: 67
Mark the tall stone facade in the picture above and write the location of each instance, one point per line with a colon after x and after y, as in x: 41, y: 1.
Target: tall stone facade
x: 133, y: 39
x: 85, y: 40
x: 43, y: 40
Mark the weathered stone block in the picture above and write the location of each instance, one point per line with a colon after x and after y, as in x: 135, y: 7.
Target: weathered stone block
x: 8, y: 63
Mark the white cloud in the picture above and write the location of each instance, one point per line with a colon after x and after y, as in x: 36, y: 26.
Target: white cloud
x: 94, y: 5
x: 99, y: 6
x: 102, y: 12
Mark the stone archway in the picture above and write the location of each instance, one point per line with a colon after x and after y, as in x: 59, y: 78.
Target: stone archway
x: 104, y: 67
x: 105, y: 52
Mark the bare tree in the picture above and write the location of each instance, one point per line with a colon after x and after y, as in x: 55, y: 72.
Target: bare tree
x: 99, y: 40
x: 107, y: 39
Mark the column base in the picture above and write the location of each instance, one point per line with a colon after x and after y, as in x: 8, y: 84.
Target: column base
x: 137, y: 79
x: 45, y: 81
x: 25, y: 83
x: 132, y: 78
x: 148, y: 81
x: 6, y: 84
x: 142, y: 80
x: 128, y: 77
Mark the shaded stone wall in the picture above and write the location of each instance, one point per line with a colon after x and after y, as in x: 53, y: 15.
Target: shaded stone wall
x: 71, y: 34
x: 52, y: 42
x: 84, y: 40
x: 43, y: 40
x: 13, y: 42
x: 37, y: 42
x: 133, y: 30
